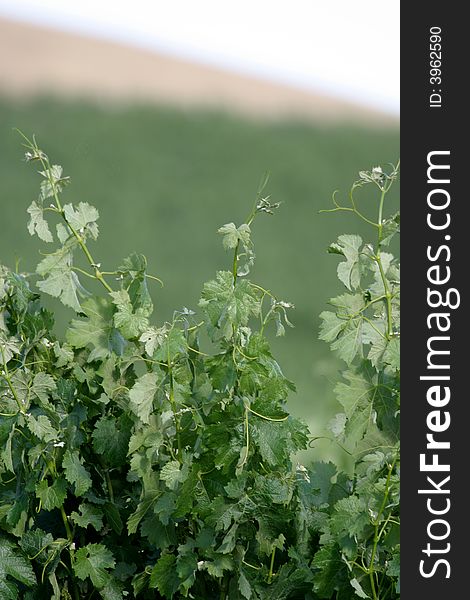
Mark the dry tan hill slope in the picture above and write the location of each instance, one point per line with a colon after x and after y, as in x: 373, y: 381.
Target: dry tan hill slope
x: 36, y: 60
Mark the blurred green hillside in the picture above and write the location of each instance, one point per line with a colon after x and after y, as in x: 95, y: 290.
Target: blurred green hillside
x: 165, y: 180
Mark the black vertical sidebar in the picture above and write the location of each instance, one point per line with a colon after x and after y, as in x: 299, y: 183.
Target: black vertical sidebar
x: 435, y: 206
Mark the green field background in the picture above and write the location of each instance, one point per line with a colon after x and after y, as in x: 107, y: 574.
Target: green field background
x: 165, y: 180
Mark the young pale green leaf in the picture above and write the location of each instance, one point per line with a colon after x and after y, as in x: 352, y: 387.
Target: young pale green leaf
x: 358, y: 589
x: 350, y: 270
x: 141, y: 396
x: 153, y: 338
x: 349, y: 517
x: 82, y: 218
x: 171, y: 474
x: 59, y: 278
x: 54, y: 182
x: 9, y: 347
x: 38, y: 224
x: 41, y: 388
x: 349, y: 344
x: 233, y: 235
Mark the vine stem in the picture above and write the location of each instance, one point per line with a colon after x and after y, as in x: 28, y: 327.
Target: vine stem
x: 173, y: 408
x: 71, y: 552
x: 6, y: 375
x: 378, y: 259
x: 44, y: 160
x: 109, y: 485
x: 371, y: 569
x: 271, y: 565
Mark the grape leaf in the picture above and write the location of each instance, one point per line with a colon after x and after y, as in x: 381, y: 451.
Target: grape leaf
x: 42, y: 428
x: 51, y: 496
x: 350, y: 270
x: 96, y: 330
x: 76, y: 473
x: 38, y: 224
x: 111, y: 439
x: 59, y: 279
x: 89, y: 515
x: 227, y: 305
x: 142, y: 394
x: 233, y: 235
x: 13, y: 564
x: 82, y: 218
x: 164, y: 576
x: 129, y: 322
x: 92, y: 561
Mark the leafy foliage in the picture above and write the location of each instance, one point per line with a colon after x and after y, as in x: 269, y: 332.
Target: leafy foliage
x: 360, y: 534
x: 137, y: 464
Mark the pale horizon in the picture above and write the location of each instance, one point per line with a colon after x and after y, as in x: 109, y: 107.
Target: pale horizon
x: 349, y: 51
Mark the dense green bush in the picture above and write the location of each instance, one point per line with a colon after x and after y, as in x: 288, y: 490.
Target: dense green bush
x: 138, y: 461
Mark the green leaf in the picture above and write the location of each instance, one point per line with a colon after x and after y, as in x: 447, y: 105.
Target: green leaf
x: 390, y: 227
x: 92, y: 561
x: 111, y: 439
x: 9, y: 347
x: 219, y: 565
x: 321, y: 484
x: 328, y: 570
x: 134, y: 275
x: 113, y: 590
x: 164, y: 576
x: 89, y: 515
x: 171, y: 474
x: 53, y: 183
x: 38, y: 224
x: 113, y: 517
x: 59, y: 279
x: 350, y: 270
x: 331, y: 326
x: 186, y: 566
x: 82, y: 218
x: 244, y: 586
x: 153, y: 338
x: 349, y: 517
x: 14, y: 564
x: 358, y: 589
x: 43, y: 385
x: 142, y: 394
x: 97, y: 330
x: 42, y: 428
x: 349, y: 344
x: 51, y: 496
x: 368, y: 398
x: 233, y: 235
x: 227, y: 305
x: 35, y: 542
x: 143, y: 507
x: 76, y: 473
x: 129, y: 322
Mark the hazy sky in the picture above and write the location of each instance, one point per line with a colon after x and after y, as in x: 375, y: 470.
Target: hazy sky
x: 348, y: 48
